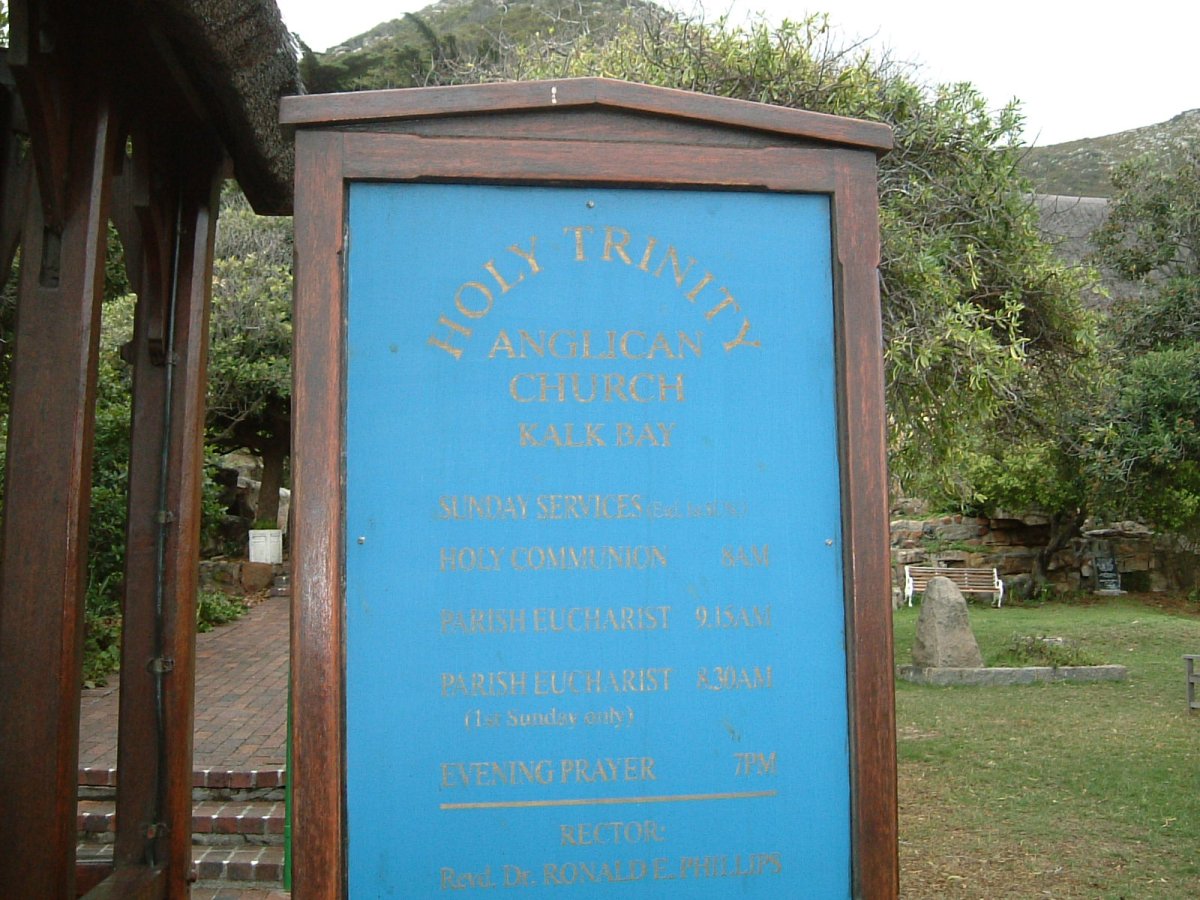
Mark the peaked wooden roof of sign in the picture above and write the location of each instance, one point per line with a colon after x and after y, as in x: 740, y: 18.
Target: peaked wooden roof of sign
x: 241, y: 59
x: 339, y: 110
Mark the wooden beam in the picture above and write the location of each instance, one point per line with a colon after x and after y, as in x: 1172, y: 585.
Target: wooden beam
x: 48, y: 489
x: 318, y: 667
x: 15, y: 171
x: 34, y: 37
x: 163, y: 535
x: 90, y: 873
x: 328, y: 110
x: 135, y: 883
x: 146, y: 237
x: 865, y: 528
x: 200, y: 206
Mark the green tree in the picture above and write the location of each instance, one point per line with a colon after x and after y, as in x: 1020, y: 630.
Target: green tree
x: 409, y: 58
x: 249, y: 367
x: 110, y: 483
x: 1045, y: 461
x: 976, y: 308
x: 1149, y: 457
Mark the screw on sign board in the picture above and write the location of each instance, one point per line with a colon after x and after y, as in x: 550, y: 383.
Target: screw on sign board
x: 590, y: 548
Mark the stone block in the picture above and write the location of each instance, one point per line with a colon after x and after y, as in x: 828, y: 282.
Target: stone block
x: 1133, y: 563
x: 952, y: 556
x: 219, y: 573
x: 944, y: 636
x: 956, y: 531
x: 257, y: 576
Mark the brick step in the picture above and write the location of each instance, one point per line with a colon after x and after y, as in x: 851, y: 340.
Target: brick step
x: 203, y: 779
x: 222, y: 824
x: 260, y: 867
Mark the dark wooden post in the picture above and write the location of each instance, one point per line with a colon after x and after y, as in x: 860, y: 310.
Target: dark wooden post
x: 48, y: 487
x: 864, y: 442
x: 14, y: 171
x: 168, y: 238
x: 316, y: 774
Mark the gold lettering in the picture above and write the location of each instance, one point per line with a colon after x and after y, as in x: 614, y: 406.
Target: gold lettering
x: 611, y: 246
x: 502, y: 344
x: 461, y: 305
x: 623, y: 768
x: 534, y: 268
x: 700, y: 285
x: 664, y: 388
x: 469, y: 559
x: 646, y: 435
x: 588, y: 557
x: 505, y: 287
x: 740, y: 340
x: 564, y: 344
x: 579, y: 231
x: 625, y: 351
x: 483, y: 621
x: 673, y: 257
x: 497, y: 773
x: 483, y: 684
x: 651, y: 243
x: 727, y: 302
x: 456, y: 352
x: 603, y: 834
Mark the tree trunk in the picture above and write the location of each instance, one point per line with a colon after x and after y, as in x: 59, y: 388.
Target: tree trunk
x: 273, y: 455
x: 1064, y: 526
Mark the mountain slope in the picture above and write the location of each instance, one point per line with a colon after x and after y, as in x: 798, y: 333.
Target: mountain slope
x: 1082, y: 168
x: 472, y: 22
x: 444, y: 39
x: 422, y: 47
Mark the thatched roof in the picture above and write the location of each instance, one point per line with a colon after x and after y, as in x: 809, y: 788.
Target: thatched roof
x: 242, y: 59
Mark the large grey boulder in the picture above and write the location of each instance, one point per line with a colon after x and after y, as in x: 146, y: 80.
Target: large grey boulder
x: 944, y: 636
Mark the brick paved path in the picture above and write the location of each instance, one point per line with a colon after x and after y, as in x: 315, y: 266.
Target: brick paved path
x: 241, y: 697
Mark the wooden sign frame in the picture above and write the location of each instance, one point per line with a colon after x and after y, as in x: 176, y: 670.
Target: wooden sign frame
x: 576, y: 132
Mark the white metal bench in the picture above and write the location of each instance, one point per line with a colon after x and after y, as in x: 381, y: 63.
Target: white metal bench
x: 969, y: 581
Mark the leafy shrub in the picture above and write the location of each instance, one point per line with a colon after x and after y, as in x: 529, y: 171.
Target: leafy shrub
x: 101, y: 631
x: 1039, y: 650
x: 216, y: 608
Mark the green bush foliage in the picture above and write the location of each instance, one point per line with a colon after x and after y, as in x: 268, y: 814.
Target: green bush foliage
x: 977, y: 311
x: 1148, y: 457
x: 1040, y: 650
x: 249, y: 363
x: 216, y: 608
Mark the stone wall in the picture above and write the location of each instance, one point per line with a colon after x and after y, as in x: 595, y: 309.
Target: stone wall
x: 1009, y: 543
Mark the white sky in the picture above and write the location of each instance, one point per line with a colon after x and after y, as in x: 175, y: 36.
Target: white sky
x: 1080, y: 69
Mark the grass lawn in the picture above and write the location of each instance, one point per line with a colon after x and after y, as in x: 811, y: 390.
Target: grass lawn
x: 1055, y: 790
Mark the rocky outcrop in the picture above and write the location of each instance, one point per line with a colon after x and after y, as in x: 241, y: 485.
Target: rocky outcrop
x: 944, y: 637
x: 1010, y: 542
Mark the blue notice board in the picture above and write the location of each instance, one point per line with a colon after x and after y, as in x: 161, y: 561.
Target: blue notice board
x: 594, y: 592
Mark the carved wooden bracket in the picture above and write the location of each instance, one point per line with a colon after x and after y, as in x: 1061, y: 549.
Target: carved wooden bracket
x: 15, y: 171
x: 143, y: 200
x: 33, y: 36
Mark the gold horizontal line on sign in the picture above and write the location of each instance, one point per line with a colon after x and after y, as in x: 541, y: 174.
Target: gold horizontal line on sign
x: 609, y: 801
